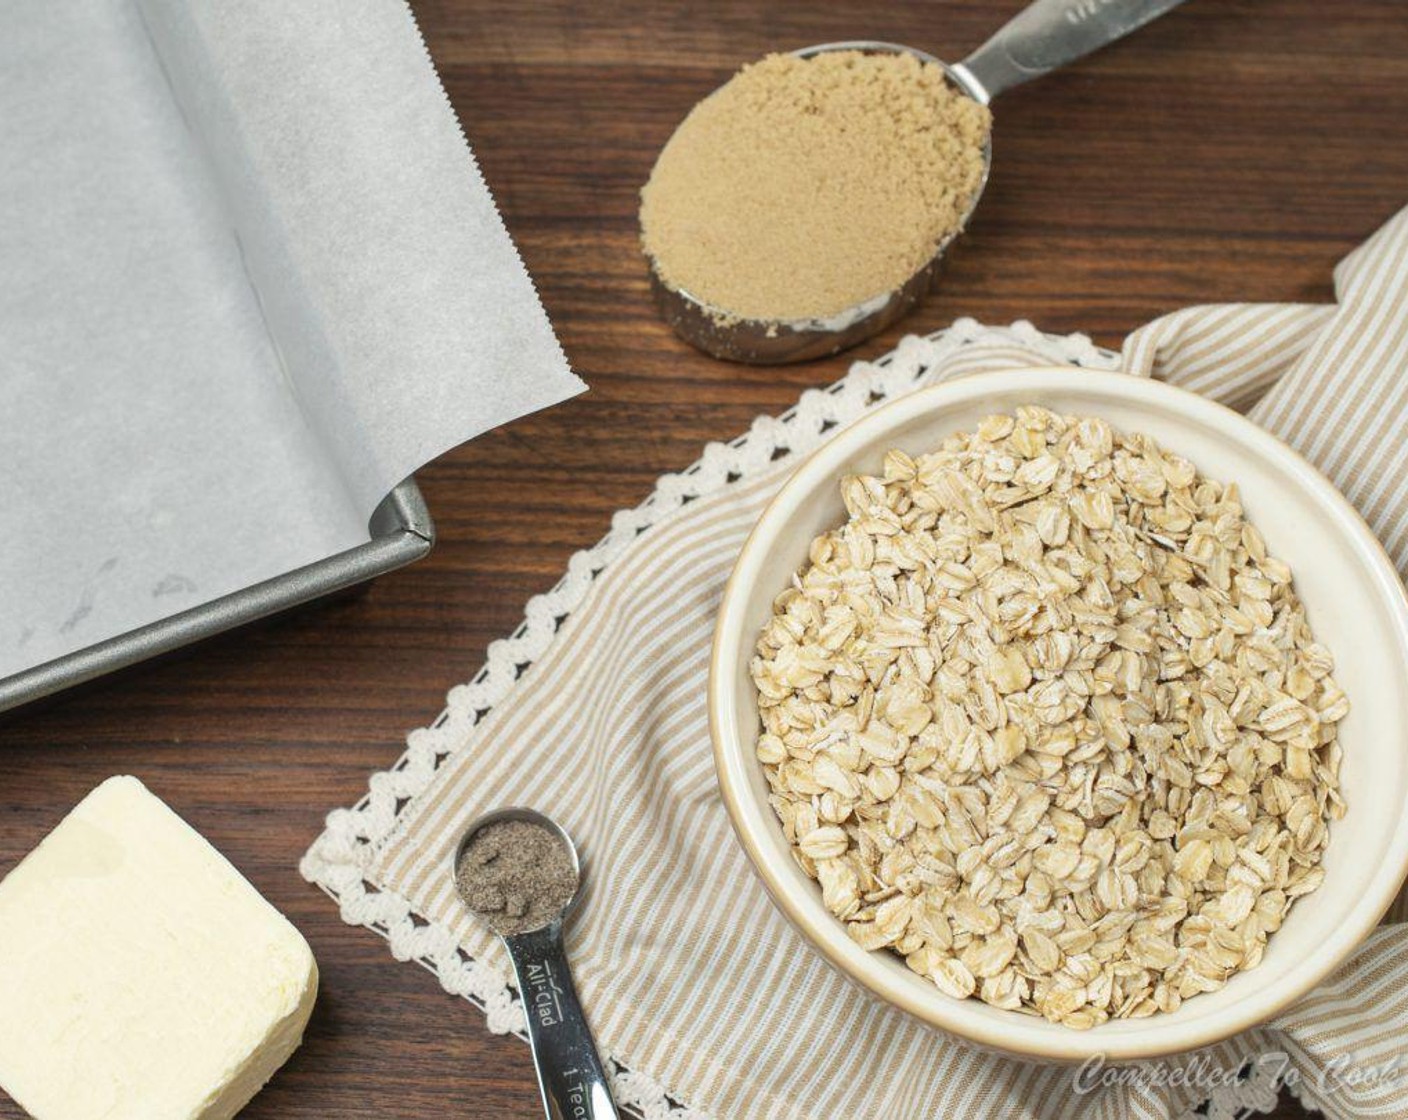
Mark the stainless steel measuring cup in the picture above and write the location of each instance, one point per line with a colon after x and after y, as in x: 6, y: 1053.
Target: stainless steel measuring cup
x: 1043, y: 37
x: 570, y: 1074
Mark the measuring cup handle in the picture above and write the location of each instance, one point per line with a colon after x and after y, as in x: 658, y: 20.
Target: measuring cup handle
x: 1048, y: 34
x: 570, y: 1073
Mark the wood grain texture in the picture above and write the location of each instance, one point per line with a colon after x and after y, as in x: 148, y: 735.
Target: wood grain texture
x: 1235, y: 150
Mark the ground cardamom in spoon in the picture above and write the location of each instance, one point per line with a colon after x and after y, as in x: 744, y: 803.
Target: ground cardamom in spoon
x: 516, y: 876
x: 806, y: 186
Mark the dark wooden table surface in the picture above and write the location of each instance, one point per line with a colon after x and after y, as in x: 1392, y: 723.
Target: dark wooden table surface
x: 1235, y: 150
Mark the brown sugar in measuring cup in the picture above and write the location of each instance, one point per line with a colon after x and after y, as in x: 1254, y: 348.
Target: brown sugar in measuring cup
x: 717, y: 241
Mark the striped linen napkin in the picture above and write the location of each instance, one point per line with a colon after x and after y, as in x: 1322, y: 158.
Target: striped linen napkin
x: 707, y: 1002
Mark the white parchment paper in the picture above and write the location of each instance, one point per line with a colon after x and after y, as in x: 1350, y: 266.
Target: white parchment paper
x: 249, y: 280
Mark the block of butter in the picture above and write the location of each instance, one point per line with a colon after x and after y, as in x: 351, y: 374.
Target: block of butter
x: 141, y: 976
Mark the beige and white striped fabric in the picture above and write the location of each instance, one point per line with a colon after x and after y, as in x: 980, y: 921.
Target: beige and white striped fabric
x: 687, y: 972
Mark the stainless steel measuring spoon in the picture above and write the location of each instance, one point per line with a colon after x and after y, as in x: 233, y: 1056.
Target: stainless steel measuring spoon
x: 1043, y: 37
x: 570, y: 1073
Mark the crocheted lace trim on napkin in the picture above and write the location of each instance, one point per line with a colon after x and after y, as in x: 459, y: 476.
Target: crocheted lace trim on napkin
x: 337, y: 860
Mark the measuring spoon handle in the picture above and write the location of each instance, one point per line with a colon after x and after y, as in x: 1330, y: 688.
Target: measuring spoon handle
x: 1048, y: 34
x: 570, y: 1073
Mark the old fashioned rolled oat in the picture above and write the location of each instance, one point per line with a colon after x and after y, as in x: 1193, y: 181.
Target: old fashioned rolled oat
x: 1044, y: 718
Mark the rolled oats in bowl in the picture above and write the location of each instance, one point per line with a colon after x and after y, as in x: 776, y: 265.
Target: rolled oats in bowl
x: 1045, y: 719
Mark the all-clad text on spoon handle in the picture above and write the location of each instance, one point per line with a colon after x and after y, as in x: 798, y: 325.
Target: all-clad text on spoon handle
x: 1048, y: 34
x: 570, y: 1073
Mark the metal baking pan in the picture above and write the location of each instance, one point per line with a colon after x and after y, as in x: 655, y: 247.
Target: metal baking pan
x: 401, y: 532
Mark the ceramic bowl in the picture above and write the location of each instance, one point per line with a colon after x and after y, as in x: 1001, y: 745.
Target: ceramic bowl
x: 1356, y: 606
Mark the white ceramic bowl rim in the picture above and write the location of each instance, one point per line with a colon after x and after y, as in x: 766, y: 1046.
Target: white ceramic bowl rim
x: 753, y: 818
